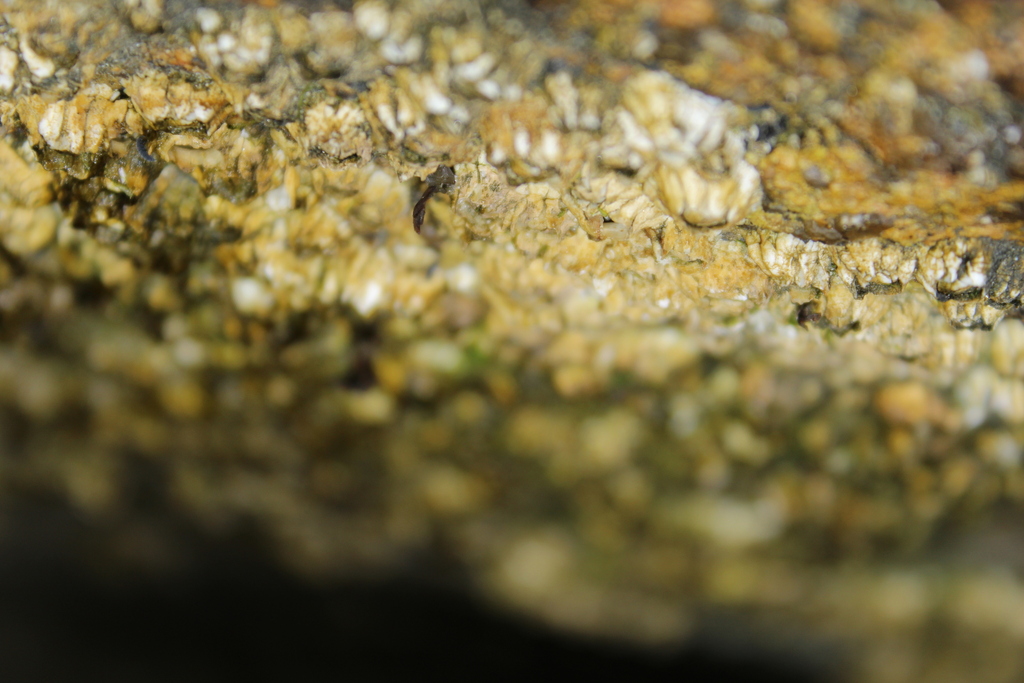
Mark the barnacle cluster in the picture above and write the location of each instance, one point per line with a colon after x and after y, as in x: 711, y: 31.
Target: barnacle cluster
x: 714, y: 307
x: 552, y: 152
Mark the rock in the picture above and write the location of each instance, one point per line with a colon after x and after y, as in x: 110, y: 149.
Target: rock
x: 716, y: 316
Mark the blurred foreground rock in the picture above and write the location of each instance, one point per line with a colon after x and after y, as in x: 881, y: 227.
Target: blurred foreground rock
x: 721, y: 318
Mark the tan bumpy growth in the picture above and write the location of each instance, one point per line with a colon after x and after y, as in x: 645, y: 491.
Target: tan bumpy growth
x: 654, y: 313
x: 551, y: 150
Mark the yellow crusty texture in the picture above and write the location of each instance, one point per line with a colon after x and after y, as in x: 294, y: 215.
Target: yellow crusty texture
x: 722, y: 315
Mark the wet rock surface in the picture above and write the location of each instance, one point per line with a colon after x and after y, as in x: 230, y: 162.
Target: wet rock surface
x: 714, y: 311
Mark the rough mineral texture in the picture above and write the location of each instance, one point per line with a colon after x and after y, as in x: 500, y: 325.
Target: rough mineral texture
x: 721, y: 318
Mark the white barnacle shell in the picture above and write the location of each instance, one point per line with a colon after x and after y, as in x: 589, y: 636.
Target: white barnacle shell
x: 489, y: 88
x: 372, y: 19
x: 946, y: 267
x: 550, y: 149
x: 973, y: 273
x: 496, y: 154
x: 702, y: 118
x: 685, y: 122
x: 8, y: 65
x: 339, y: 131
x: 249, y: 49
x: 565, y: 96
x: 402, y: 52
x: 477, y: 69
x: 407, y: 114
x: 51, y: 121
x: 627, y: 143
x: 521, y: 142
x: 465, y: 47
x: 433, y: 99
x: 39, y: 66
x: 387, y: 117
x: 209, y: 19
x: 710, y: 201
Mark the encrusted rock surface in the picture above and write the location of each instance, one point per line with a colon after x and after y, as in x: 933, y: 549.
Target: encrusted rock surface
x: 721, y: 316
